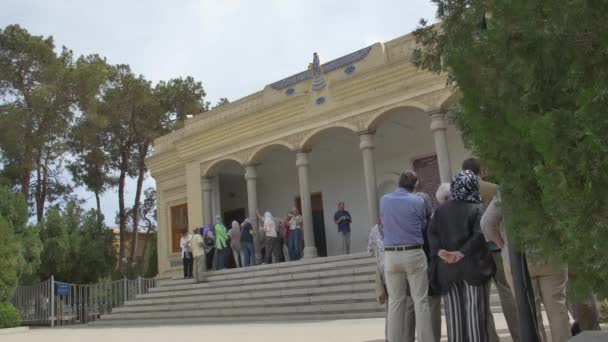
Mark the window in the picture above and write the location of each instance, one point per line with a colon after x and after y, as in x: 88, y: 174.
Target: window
x: 179, y: 221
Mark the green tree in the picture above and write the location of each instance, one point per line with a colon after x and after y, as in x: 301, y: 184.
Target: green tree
x: 55, y: 257
x: 9, y: 259
x: 17, y: 233
x: 221, y: 102
x: 89, y: 138
x: 122, y: 102
x: 96, y: 254
x: 532, y: 78
x: 161, y: 108
x: 35, y: 112
x: 180, y: 97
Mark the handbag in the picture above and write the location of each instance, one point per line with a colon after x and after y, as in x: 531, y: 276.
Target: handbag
x: 209, y: 241
x: 381, y: 294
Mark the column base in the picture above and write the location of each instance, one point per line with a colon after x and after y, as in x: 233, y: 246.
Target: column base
x: 310, y: 253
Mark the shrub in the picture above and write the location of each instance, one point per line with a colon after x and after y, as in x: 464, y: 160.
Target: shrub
x: 9, y: 316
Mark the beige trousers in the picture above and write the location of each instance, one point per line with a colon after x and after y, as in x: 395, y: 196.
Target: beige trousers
x: 403, y: 268
x: 549, y: 285
x: 200, y: 265
x: 409, y: 325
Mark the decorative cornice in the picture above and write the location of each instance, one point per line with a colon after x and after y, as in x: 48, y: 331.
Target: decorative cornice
x: 327, y: 67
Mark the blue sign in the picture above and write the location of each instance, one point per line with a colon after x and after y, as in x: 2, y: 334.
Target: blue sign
x: 63, y: 290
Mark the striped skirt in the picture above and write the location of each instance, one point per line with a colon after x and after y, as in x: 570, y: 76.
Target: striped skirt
x: 466, y: 309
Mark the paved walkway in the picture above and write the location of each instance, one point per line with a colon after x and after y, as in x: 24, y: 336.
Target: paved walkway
x: 363, y: 330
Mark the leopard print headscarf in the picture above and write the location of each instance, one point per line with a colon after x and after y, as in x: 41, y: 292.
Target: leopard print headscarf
x: 465, y: 187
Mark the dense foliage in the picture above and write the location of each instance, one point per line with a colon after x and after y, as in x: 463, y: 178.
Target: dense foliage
x: 532, y: 78
x: 77, y: 246
x: 19, y: 243
x: 9, y: 316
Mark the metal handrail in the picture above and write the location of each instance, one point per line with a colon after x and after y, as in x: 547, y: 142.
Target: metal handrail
x: 58, y: 303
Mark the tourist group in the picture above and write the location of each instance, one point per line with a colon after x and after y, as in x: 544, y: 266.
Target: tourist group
x: 452, y: 254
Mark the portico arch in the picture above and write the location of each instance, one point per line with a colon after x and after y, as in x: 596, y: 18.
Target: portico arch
x: 312, y: 137
x: 378, y: 117
x: 448, y: 101
x: 216, y: 165
x: 259, y: 153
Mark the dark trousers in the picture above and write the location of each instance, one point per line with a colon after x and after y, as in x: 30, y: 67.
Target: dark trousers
x: 221, y: 258
x: 209, y: 258
x: 188, y: 267
x: 273, y: 245
x: 293, y: 244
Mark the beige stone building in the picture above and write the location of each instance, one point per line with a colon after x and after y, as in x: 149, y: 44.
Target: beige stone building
x: 338, y: 131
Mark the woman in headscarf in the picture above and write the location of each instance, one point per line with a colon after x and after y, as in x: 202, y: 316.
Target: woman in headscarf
x: 272, y: 243
x: 463, y: 265
x: 235, y: 243
x: 247, y: 243
x: 221, y: 236
x: 208, y: 233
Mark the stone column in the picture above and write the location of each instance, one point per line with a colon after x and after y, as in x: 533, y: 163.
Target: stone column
x: 207, y: 201
x: 310, y: 250
x: 163, y: 243
x: 439, y: 127
x: 369, y: 168
x: 194, y: 195
x: 251, y: 176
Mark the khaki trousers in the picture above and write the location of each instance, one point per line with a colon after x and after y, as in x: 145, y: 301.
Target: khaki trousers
x: 410, y: 320
x: 200, y: 265
x: 403, y: 268
x: 549, y: 285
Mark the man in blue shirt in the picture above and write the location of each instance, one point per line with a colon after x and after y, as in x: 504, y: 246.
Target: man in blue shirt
x: 403, y: 214
x: 343, y: 220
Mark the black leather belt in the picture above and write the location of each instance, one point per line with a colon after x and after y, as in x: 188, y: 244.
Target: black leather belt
x: 401, y: 248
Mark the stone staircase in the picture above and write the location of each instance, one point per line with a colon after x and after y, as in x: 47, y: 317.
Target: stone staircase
x: 340, y: 287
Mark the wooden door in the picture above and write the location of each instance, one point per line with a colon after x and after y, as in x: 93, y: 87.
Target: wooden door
x: 318, y: 221
x: 234, y: 215
x: 427, y: 170
x: 179, y: 222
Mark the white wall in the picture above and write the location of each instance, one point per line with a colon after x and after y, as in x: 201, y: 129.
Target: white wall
x: 277, y: 181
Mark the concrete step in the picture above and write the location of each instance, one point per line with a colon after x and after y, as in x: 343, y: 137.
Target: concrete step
x: 212, y: 295
x: 203, y: 303
x: 236, y: 319
x: 282, y: 266
x: 316, y: 289
x: 278, y: 278
x: 296, y: 269
x: 353, y: 304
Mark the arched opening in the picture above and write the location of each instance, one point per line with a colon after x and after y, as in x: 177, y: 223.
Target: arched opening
x: 228, y: 191
x: 277, y: 183
x: 336, y: 175
x: 404, y: 141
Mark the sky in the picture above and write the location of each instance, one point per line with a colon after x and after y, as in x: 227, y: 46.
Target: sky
x: 233, y: 47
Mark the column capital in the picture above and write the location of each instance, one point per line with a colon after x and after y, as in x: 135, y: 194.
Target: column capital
x: 206, y: 184
x: 366, y: 140
x: 302, y: 157
x: 366, y: 132
x: 438, y: 121
x: 251, y: 171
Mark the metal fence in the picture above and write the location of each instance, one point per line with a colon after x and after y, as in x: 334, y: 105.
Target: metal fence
x: 56, y: 303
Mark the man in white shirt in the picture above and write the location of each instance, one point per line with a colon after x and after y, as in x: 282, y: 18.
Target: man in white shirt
x: 186, y: 246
